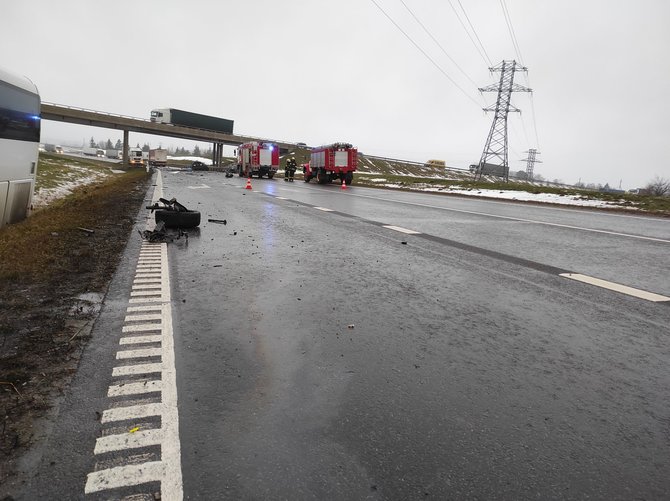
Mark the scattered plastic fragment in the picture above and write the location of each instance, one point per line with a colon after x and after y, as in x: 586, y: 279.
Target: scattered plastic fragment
x: 133, y: 430
x: 350, y: 326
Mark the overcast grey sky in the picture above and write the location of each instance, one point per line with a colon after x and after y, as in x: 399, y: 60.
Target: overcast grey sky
x: 317, y: 71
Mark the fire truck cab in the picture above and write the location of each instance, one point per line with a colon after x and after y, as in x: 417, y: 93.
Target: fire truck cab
x: 257, y: 158
x: 333, y: 161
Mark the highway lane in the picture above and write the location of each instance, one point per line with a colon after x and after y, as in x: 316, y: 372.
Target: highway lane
x: 465, y: 374
x: 623, y: 248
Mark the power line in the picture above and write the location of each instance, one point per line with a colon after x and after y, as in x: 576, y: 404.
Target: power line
x: 475, y: 32
x: 438, y: 43
x: 425, y: 54
x: 517, y: 50
x: 510, y: 28
x: 532, y: 107
x: 487, y: 61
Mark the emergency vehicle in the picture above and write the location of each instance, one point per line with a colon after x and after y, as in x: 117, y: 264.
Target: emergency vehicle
x: 257, y: 158
x: 333, y: 161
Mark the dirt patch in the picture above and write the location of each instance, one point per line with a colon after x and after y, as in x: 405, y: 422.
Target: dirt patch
x: 56, y: 267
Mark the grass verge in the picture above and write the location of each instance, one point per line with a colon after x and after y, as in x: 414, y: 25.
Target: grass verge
x: 48, y: 261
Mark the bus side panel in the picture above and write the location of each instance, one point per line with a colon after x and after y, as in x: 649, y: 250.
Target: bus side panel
x: 4, y: 188
x: 19, y: 197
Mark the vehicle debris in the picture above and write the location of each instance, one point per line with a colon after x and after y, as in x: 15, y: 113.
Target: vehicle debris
x: 221, y: 221
x: 160, y: 234
x: 174, y: 214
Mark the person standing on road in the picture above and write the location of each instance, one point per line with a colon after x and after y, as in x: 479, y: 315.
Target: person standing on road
x: 290, y: 169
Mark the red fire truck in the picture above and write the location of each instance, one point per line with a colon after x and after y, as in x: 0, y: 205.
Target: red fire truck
x: 257, y: 158
x: 333, y: 161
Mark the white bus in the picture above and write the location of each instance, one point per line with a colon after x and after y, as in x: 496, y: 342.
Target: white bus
x: 19, y: 145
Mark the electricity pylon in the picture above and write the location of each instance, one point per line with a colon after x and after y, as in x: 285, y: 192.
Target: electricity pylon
x: 530, y: 162
x: 494, y: 156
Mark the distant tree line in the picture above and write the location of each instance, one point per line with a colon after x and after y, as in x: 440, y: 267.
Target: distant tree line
x: 177, y: 152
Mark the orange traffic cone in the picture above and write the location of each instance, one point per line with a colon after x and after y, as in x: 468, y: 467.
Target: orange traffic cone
x: 344, y: 186
x: 248, y: 186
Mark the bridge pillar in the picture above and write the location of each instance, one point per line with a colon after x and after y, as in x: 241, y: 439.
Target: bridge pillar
x: 125, y: 149
x: 217, y: 155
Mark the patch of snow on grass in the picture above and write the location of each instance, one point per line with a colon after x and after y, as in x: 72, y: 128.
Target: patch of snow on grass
x: 45, y: 196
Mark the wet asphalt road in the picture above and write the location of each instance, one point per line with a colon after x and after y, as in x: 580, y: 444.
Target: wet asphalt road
x: 471, y: 370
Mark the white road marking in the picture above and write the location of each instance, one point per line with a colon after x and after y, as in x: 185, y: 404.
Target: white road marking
x: 143, y: 318
x: 150, y: 306
x: 139, y: 388
x: 624, y: 289
x: 147, y: 300
x: 132, y: 309
x: 148, y: 275
x: 324, y: 209
x: 199, y: 187
x: 136, y: 369
x: 123, y: 476
x: 141, y: 328
x: 140, y: 339
x: 281, y: 198
x: 147, y: 281
x: 402, y: 230
x: 131, y: 412
x: 145, y: 293
x: 147, y: 287
x: 147, y: 352
x: 140, y: 438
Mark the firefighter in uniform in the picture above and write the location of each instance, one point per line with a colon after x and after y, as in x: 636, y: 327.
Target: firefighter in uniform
x: 290, y: 169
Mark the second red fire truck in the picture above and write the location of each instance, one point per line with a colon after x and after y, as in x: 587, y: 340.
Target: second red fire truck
x: 257, y: 159
x: 333, y: 161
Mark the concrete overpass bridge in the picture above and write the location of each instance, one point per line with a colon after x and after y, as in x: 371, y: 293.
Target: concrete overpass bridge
x: 70, y: 114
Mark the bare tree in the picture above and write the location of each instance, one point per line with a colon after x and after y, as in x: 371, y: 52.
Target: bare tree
x: 659, y: 186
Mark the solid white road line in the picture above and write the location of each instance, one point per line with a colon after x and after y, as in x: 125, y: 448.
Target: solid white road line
x: 624, y: 289
x: 402, y: 230
x: 140, y: 438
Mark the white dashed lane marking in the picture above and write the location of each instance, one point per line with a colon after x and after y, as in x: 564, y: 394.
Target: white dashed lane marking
x: 402, y: 230
x: 623, y: 289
